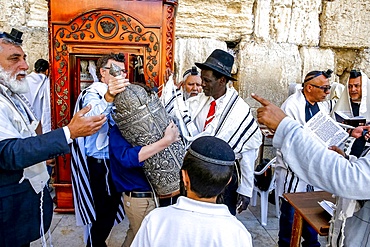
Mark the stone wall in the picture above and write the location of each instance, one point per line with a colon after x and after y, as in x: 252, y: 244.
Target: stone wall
x: 279, y: 42
x: 31, y: 17
x: 274, y: 42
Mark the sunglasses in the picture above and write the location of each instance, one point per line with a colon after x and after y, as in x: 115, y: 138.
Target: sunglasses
x: 323, y: 88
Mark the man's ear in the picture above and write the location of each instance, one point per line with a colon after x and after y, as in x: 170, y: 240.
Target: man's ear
x: 185, y: 178
x: 308, y: 88
x: 223, y: 80
x: 229, y: 180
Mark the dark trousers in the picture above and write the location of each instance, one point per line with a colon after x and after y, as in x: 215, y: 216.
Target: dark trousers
x: 106, y: 205
x: 164, y: 202
x: 286, y: 222
x: 230, y: 196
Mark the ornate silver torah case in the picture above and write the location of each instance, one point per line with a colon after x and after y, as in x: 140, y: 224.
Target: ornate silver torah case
x: 142, y: 120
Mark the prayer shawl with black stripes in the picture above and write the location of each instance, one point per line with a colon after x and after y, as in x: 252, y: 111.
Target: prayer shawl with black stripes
x: 82, y: 196
x: 233, y: 123
x: 294, y: 107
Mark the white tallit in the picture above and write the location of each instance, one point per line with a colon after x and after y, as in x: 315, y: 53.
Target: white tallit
x: 344, y: 102
x: 82, y: 195
x: 18, y: 127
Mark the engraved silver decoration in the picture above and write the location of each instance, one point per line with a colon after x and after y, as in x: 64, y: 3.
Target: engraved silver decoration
x: 114, y: 70
x: 142, y: 120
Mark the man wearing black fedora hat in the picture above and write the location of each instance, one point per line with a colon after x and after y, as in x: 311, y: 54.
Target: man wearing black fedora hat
x: 220, y: 112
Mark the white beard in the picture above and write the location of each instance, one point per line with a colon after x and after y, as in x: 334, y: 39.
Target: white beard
x: 11, y: 82
x: 186, y: 95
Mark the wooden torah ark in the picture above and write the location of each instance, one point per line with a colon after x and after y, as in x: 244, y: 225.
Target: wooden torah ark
x: 82, y: 31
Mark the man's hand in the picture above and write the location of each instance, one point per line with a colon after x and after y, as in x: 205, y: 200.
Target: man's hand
x: 171, y: 134
x: 85, y: 126
x: 358, y: 131
x: 242, y: 204
x: 269, y: 114
x: 167, y: 75
x: 337, y: 150
x: 116, y: 85
x: 50, y: 162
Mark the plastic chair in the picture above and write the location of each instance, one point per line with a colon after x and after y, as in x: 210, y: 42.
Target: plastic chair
x: 265, y: 194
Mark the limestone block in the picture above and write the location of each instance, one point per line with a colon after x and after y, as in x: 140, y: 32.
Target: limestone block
x: 345, y: 62
x: 36, y: 45
x: 362, y: 62
x: 189, y: 51
x: 38, y: 16
x: 266, y: 69
x: 14, y: 13
x: 262, y: 19
x: 296, y: 21
x: 345, y: 24
x: 225, y: 20
x: 314, y: 58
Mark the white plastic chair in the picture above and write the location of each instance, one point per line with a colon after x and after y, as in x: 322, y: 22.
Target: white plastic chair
x: 265, y: 194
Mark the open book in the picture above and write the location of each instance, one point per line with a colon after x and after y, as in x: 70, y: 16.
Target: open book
x: 328, y: 206
x: 327, y: 131
x: 342, y: 117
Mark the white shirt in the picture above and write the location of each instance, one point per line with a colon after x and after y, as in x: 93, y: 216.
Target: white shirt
x: 191, y: 223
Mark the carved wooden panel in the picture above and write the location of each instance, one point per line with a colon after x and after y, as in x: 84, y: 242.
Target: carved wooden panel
x: 93, y: 28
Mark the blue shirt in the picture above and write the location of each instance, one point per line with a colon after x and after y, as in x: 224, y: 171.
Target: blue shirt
x: 96, y: 145
x: 311, y: 110
x: 127, y: 171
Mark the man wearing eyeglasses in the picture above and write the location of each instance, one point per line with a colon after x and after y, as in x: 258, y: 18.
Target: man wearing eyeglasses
x: 301, y: 106
x: 95, y: 197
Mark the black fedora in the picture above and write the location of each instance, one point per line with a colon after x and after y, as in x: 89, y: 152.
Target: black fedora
x: 219, y: 61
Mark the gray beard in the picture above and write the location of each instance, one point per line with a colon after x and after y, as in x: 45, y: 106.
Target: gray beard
x: 11, y: 82
x: 186, y: 95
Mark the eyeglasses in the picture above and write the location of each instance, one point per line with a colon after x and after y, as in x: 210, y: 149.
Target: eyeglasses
x: 122, y: 70
x: 323, y: 88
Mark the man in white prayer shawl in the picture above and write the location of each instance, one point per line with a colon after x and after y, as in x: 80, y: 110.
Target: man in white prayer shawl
x: 39, y: 93
x: 301, y: 106
x: 38, y: 96
x: 97, y: 203
x: 219, y: 111
x: 354, y: 102
x: 348, y: 180
x: 26, y: 207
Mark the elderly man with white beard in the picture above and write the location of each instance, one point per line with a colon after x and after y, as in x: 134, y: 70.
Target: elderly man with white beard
x: 25, y: 203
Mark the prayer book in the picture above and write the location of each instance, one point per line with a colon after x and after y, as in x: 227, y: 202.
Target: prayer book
x: 326, y: 130
x: 328, y: 206
x: 342, y: 117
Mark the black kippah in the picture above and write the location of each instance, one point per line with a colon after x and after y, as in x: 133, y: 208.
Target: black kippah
x: 313, y: 74
x: 212, y: 150
x: 192, y: 71
x: 15, y: 36
x: 354, y: 74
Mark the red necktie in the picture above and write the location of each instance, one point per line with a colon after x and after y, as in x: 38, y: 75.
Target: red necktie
x: 211, y: 113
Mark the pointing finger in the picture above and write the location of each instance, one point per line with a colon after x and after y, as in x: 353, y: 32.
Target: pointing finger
x: 261, y: 100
